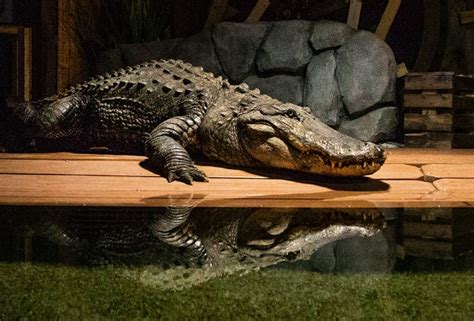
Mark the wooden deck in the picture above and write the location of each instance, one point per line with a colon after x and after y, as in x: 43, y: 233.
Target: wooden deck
x: 410, y: 178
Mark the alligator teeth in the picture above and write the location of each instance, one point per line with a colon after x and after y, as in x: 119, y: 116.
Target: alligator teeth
x: 264, y: 242
x: 365, y: 165
x: 333, y: 165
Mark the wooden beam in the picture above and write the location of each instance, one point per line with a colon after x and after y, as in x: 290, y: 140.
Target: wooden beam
x: 27, y: 63
x: 216, y: 12
x: 402, y: 70
x: 387, y: 18
x: 258, y: 11
x: 354, y: 13
x: 428, y: 99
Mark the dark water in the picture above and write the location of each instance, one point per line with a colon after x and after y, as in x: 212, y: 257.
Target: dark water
x: 321, y: 240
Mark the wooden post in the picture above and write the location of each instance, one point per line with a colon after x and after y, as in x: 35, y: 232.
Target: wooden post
x: 387, y: 18
x: 216, y: 13
x: 258, y: 11
x: 354, y: 13
x: 70, y: 63
x: 63, y: 45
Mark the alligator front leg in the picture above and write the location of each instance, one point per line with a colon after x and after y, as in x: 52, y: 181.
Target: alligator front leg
x: 166, y: 148
x: 174, y: 228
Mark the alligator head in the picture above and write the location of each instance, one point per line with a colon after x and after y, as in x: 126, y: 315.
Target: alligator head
x: 269, y: 133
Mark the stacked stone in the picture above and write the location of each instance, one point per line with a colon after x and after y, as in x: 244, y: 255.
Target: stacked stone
x: 346, y: 76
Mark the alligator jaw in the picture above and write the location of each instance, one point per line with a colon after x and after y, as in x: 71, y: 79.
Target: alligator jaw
x: 304, y: 143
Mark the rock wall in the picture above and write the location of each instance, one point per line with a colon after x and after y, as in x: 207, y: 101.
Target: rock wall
x: 346, y: 77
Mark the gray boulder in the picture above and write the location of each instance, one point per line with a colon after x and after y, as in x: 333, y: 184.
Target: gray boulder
x: 324, y: 260
x: 321, y: 92
x: 236, y: 46
x: 375, y: 253
x: 364, y: 254
x: 329, y: 34
x: 282, y: 87
x: 376, y: 126
x: 199, y: 51
x: 365, y: 72
x: 286, y: 48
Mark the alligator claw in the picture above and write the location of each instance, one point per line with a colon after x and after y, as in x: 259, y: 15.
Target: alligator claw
x: 187, y: 175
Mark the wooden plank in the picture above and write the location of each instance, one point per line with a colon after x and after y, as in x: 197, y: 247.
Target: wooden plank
x: 418, y: 122
x: 428, y: 99
x: 458, y: 188
x: 429, y: 81
x: 129, y: 168
x: 397, y: 171
x: 410, y: 156
x: 437, y: 171
x: 354, y: 13
x: 257, y: 12
x: 155, y: 191
x: 466, y: 17
x: 216, y: 12
x: 387, y: 18
x: 440, y: 140
x: 71, y: 156
x: 133, y: 168
x: 422, y: 156
x: 428, y: 230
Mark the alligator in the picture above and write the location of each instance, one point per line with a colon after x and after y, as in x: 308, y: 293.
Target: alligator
x: 192, y: 237
x: 169, y: 109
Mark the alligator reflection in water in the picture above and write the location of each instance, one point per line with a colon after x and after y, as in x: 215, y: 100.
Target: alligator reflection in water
x: 212, y: 238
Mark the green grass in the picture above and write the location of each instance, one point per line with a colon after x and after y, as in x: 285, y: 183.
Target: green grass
x: 41, y: 292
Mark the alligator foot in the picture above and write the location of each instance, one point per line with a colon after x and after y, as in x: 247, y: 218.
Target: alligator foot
x: 186, y: 174
x: 173, y: 228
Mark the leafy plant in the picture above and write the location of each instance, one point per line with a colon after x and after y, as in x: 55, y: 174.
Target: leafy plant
x: 104, y: 24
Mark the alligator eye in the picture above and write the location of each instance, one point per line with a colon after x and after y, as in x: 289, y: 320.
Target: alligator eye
x: 291, y: 113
